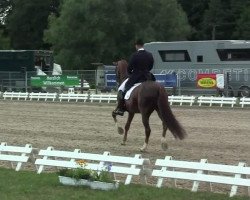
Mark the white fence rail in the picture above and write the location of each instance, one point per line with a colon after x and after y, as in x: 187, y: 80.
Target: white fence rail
x: 202, y: 172
x: 244, y: 101
x: 217, y: 100
x: 103, y: 98
x: 181, y: 99
x: 235, y: 176
x: 15, y: 95
x: 15, y: 154
x: 44, y: 96
x: 129, y: 166
x: 112, y: 98
x: 72, y: 96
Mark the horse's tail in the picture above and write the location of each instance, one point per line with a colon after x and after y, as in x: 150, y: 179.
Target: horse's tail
x: 168, y: 116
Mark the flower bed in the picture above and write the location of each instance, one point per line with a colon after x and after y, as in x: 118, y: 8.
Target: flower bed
x: 85, y: 177
x: 92, y: 184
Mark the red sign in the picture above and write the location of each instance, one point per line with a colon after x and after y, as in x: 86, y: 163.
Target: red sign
x: 206, y: 81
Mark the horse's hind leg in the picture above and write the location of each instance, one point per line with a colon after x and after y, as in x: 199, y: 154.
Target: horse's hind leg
x: 164, y: 144
x: 145, y: 121
x: 127, y: 126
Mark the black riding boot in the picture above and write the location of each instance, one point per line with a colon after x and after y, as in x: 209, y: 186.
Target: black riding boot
x: 121, y: 104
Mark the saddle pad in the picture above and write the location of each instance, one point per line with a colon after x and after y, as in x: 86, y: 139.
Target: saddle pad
x: 127, y: 95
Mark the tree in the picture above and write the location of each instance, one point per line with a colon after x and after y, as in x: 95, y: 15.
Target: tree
x: 26, y: 22
x: 87, y: 31
x: 242, y: 30
x: 214, y: 19
x: 169, y: 21
x: 5, y: 7
x: 4, y: 40
x: 221, y: 18
x: 96, y: 31
x: 195, y: 10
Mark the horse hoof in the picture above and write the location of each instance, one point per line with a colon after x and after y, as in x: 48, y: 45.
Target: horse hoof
x: 142, y: 150
x: 164, y: 146
x: 123, y: 143
x: 144, y: 147
x: 120, y: 130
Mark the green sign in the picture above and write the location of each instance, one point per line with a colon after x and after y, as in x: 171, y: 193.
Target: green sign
x: 55, y: 81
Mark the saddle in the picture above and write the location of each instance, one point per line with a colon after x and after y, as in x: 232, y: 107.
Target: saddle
x: 128, y: 93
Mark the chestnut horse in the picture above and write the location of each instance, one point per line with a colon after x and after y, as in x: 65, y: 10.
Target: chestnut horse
x: 144, y: 99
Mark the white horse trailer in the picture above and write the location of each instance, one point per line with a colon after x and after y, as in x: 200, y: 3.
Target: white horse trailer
x: 189, y: 58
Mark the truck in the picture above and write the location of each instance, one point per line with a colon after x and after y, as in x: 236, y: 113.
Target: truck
x: 25, y: 60
x: 16, y: 67
x: 191, y: 58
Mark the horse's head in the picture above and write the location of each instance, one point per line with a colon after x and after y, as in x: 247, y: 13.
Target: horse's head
x: 121, y: 71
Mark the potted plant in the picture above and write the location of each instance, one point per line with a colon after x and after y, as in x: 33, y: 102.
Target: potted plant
x: 81, y: 176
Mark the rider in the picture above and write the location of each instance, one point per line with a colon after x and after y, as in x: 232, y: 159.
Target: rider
x: 139, y: 67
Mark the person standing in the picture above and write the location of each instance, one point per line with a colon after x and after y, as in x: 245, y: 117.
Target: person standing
x: 140, y: 65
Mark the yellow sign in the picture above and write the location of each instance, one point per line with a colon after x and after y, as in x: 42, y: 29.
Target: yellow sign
x: 207, y: 82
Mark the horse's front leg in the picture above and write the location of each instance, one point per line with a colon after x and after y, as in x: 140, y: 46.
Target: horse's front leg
x: 127, y: 126
x: 119, y: 129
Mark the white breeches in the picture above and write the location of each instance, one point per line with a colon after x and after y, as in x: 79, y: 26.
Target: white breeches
x: 122, y: 86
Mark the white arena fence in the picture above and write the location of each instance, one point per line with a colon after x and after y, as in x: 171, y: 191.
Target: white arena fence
x: 112, y: 98
x: 222, y: 174
x: 129, y: 166
x: 42, y: 96
x: 244, y: 101
x: 16, y: 155
x: 72, y: 96
x: 217, y: 100
x: 16, y: 95
x: 203, y: 172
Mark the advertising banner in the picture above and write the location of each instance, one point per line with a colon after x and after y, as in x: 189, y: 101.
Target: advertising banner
x: 54, y: 81
x: 167, y: 80
x: 209, y: 81
x: 110, y: 80
x: 220, y: 81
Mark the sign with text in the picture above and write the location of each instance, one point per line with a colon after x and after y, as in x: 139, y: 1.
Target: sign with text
x: 111, y: 80
x: 54, y: 81
x: 210, y: 81
x: 167, y: 80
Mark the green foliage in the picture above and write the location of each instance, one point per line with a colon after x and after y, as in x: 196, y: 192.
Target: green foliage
x: 103, y: 176
x: 82, y: 32
x: 81, y: 173
x: 4, y: 41
x: 243, y: 25
x: 26, y: 22
x: 221, y: 19
x: 89, y: 31
x: 195, y: 10
x: 4, y: 9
